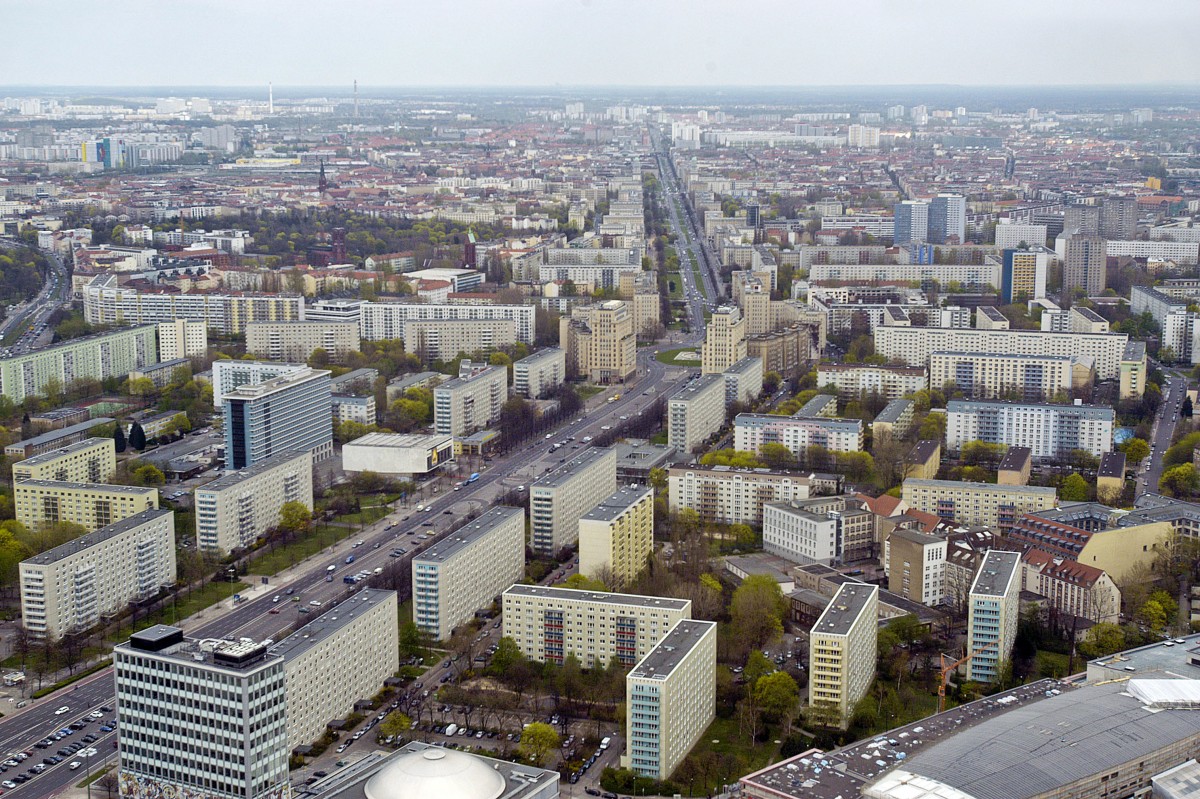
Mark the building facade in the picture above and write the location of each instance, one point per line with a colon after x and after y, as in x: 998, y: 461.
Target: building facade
x: 977, y: 504
x: 406, y: 455
x: 538, y: 375
x: 560, y: 498
x: 916, y: 566
x: 617, y: 536
x: 993, y: 614
x: 384, y: 320
x: 90, y: 505
x: 471, y: 401
x: 724, y: 340
x: 853, y: 381
x: 600, y: 342
x: 95, y: 357
x: 296, y: 341
x: 825, y: 530
x: 92, y: 460
x: 1029, y: 377
x: 106, y: 303
x: 726, y: 495
x: 842, y: 649
x: 181, y: 338
x: 289, y: 413
x: 234, y: 511
x: 696, y: 412
x: 797, y: 433
x: 1051, y: 432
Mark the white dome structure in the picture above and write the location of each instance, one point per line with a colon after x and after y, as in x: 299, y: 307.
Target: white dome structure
x: 436, y: 773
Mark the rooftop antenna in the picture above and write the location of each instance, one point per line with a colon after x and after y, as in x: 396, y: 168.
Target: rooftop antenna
x: 270, y: 98
x: 356, y: 98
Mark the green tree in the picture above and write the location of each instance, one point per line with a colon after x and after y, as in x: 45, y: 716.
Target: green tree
x: 506, y: 658
x: 777, y: 694
x: 581, y: 582
x: 1135, y: 449
x: 777, y: 456
x: 119, y: 437
x: 396, y: 723
x: 757, y: 610
x: 294, y: 518
x: 757, y: 667
x: 538, y: 740
x: 148, y: 475
x: 1180, y: 481
x: 1103, y: 639
x: 1074, y: 489
x: 1153, y: 615
x: 137, y: 437
x: 411, y: 643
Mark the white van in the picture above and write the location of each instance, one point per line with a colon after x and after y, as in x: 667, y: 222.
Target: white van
x: 604, y: 742
x: 453, y: 728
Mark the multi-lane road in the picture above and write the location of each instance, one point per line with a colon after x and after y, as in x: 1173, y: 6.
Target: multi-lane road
x: 32, y: 316
x: 1174, y: 389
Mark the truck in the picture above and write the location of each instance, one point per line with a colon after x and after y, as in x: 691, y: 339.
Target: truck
x: 238, y: 599
x: 474, y: 476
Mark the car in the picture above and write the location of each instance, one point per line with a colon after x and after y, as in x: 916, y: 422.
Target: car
x: 447, y: 512
x: 592, y: 791
x: 62, y: 710
x: 289, y: 592
x: 9, y: 784
x: 342, y: 748
x: 272, y: 611
x: 320, y: 773
x: 275, y: 598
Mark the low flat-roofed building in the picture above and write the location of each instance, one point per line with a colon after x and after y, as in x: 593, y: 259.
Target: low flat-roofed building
x: 820, y: 530
x: 53, y: 439
x: 92, y: 505
x: 977, y: 504
x: 1110, y: 477
x: 670, y: 699
x: 398, y: 453
x: 637, y: 457
x: 548, y: 624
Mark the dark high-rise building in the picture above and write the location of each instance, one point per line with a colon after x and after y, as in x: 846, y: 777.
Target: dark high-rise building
x: 948, y: 219
x: 1081, y: 219
x: 1084, y: 263
x: 1118, y: 218
x: 752, y: 216
x: 911, y: 222
x: 322, y: 181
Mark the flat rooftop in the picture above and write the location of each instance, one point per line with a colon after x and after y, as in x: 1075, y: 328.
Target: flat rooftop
x: 697, y: 385
x: 418, y: 440
x: 613, y: 506
x: 106, y: 488
x: 1112, y: 464
x: 69, y: 449
x: 240, y: 476
x: 251, y: 391
x: 51, y: 436
x: 847, y: 605
x: 971, y: 406
x: 996, y: 572
x: 1182, y: 660
x: 892, y: 412
x: 331, y: 622
x: 666, y: 656
x: 469, y: 534
x: 571, y: 469
x: 167, y: 643
x: 541, y: 355
x: 88, y: 540
x: 922, y: 451
x: 600, y: 597
x: 962, y: 484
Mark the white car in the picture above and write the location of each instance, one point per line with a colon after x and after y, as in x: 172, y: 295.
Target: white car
x: 62, y: 710
x: 75, y: 764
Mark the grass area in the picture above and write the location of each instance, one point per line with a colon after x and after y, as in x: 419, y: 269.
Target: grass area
x: 725, y: 740
x: 1050, y: 664
x: 196, y: 601
x: 696, y: 271
x: 668, y: 357
x: 586, y: 392
x: 271, y: 563
x: 90, y: 780
x: 368, y: 515
x: 659, y: 438
x: 76, y: 677
x: 674, y: 286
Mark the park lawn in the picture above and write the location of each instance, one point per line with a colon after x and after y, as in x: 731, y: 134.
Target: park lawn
x: 587, y: 392
x: 1050, y: 664
x: 668, y: 357
x: 696, y: 270
x: 368, y: 514
x: 273, y: 562
x: 674, y: 285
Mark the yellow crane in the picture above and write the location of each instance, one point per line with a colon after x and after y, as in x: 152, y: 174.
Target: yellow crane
x: 949, y: 666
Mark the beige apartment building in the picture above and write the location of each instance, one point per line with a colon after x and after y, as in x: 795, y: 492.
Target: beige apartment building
x: 600, y: 342
x: 917, y: 566
x: 724, y: 340
x: 181, y: 338
x: 1029, y: 377
x: 233, y: 511
x: 560, y: 498
x: 75, y: 585
x: 538, y: 375
x: 91, y: 505
x: 550, y: 624
x: 736, y: 496
x: 446, y: 339
x: 617, y: 536
x: 471, y: 401
x: 842, y: 648
x: 977, y: 504
x: 92, y: 460
x: 467, y: 570
x: 852, y: 381
x: 696, y: 412
x: 670, y: 699
x: 336, y: 660
x: 296, y: 341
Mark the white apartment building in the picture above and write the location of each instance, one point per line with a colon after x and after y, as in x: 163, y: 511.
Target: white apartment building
x: 696, y: 412
x: 825, y: 530
x: 467, y: 570
x: 969, y: 275
x: 994, y: 611
x: 797, y: 433
x: 724, y: 340
x: 339, y: 658
x: 977, y: 504
x: 914, y: 345
x: 229, y: 375
x: 1030, y: 377
x: 383, y: 320
x: 617, y: 536
x: 852, y: 381
x: 471, y: 401
x: 1051, y: 431
x: 223, y: 703
x: 234, y: 511
x: 446, y: 339
x: 1181, y: 252
x: 670, y: 699
x: 744, y: 381
x: 296, y: 341
x: 736, y: 496
x: 91, y: 505
x: 551, y: 624
x: 560, y: 498
x: 539, y: 374
x: 181, y: 338
x: 842, y: 648
x: 92, y: 460
x: 1012, y: 236
x: 106, y: 303
x: 916, y: 565
x: 73, y: 586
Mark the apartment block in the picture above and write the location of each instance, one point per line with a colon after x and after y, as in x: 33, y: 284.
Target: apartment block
x: 297, y: 341
x: 600, y: 342
x: 106, y: 303
x: 1051, y: 432
x: 467, y: 570
x: 825, y: 530
x: 289, y: 413
x: 91, y: 505
x: 1133, y: 371
x: 95, y: 357
x: 994, y: 611
x: 917, y: 566
x: 670, y: 699
x: 617, y: 536
x: 446, y: 339
x: 538, y: 375
x: 341, y: 657
x: 1012, y: 236
x: 724, y: 340
x: 736, y: 496
x: 915, y: 345
x: 92, y: 460
x: 1023, y: 272
x: 842, y: 648
x: 894, y: 421
x: 977, y: 504
x: 236, y: 747
x: 228, y: 375
x: 1071, y: 589
x: 75, y: 585
x: 797, y: 433
x: 234, y: 511
x: 181, y: 338
x: 696, y: 412
x: 552, y: 624
x: 744, y: 381
x: 786, y: 351
x: 853, y: 381
x: 1085, y: 260
x: 384, y: 320
x: 1029, y: 377
x: 470, y: 402
x: 560, y: 498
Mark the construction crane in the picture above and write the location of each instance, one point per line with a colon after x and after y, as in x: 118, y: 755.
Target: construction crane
x: 950, y: 666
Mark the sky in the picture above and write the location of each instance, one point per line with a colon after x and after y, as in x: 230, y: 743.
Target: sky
x: 401, y: 43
